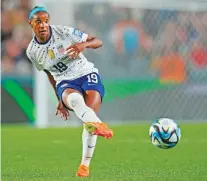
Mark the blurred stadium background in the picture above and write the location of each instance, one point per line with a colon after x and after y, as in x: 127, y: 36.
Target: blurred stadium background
x: 153, y: 62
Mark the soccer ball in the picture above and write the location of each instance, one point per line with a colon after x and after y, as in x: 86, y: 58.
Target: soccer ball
x: 165, y: 133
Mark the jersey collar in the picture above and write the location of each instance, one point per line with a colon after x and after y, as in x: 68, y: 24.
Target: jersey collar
x: 47, y: 40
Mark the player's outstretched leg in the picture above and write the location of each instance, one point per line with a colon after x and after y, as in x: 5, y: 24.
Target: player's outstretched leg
x: 92, y: 123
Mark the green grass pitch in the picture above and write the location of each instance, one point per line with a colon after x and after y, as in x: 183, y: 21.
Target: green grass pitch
x: 54, y: 154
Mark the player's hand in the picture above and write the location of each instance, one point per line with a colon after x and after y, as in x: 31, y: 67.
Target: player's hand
x: 74, y: 50
x: 62, y: 111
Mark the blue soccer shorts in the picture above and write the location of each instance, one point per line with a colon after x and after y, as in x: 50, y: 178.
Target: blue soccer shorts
x: 87, y: 82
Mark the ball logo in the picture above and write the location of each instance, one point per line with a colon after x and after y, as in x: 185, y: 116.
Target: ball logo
x: 51, y: 54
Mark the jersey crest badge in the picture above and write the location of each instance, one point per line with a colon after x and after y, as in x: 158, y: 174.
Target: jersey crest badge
x: 51, y: 54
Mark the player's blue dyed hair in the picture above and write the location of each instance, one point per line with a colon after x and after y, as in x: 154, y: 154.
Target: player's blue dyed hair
x: 35, y: 10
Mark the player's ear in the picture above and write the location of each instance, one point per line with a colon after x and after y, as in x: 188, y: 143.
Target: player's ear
x: 30, y: 23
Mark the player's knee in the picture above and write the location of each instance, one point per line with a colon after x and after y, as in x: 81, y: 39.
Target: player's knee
x: 75, y: 100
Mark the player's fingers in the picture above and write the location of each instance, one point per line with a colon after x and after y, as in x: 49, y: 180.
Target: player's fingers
x: 71, y: 46
x: 62, y: 116
x: 65, y: 116
x: 57, y: 112
x: 74, y: 55
x: 70, y: 50
x: 68, y: 114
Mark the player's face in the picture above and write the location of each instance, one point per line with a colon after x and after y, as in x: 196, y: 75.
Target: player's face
x: 40, y: 24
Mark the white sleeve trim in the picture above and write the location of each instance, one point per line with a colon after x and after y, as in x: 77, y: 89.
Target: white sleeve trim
x: 84, y: 37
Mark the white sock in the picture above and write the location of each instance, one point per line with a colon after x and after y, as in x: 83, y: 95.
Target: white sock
x: 89, y: 143
x: 82, y: 111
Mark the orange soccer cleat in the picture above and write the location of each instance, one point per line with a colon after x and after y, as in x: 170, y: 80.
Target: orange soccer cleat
x: 99, y: 129
x: 83, y: 171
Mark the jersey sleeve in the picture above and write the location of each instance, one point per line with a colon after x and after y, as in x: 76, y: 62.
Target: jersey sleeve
x: 32, y: 59
x: 77, y: 35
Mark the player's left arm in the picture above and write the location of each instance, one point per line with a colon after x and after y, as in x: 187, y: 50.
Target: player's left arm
x: 91, y: 42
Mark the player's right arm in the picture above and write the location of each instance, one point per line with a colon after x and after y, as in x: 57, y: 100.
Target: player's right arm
x: 61, y: 110
x: 52, y: 81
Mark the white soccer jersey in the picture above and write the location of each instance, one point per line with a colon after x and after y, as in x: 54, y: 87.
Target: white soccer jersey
x: 52, y: 57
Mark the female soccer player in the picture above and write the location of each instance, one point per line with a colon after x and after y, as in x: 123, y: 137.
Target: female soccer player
x: 57, y: 50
